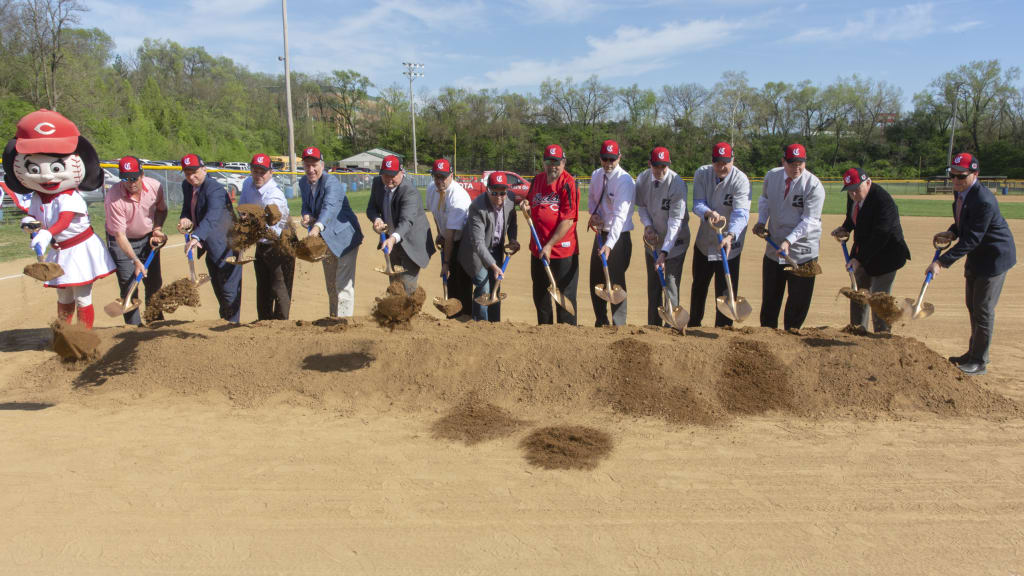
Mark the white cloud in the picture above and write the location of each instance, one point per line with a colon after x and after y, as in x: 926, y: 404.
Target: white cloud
x: 629, y: 51
x: 964, y: 26
x: 900, y: 23
x: 558, y: 10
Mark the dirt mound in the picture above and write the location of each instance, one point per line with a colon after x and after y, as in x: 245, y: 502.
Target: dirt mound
x: 396, y: 308
x: 567, y: 448
x: 536, y: 373
x: 168, y: 298
x: 43, y: 271
x: 73, y: 342
x: 474, y: 421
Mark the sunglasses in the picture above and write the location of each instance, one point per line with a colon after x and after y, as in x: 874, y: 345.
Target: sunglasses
x: 440, y: 178
x: 959, y: 176
x: 608, y: 160
x: 552, y: 161
x: 130, y: 179
x: 496, y: 192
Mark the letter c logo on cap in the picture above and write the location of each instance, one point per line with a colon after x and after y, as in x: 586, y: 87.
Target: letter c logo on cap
x: 45, y: 128
x: 499, y: 178
x: 388, y: 163
x: 552, y: 151
x: 609, y: 148
x: 187, y: 162
x: 259, y: 159
x: 661, y: 155
x: 957, y: 159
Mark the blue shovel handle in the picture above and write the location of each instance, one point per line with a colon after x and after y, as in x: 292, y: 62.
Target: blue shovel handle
x: 383, y: 239
x: 661, y: 275
x: 145, y: 265
x: 536, y: 240
x: 504, y: 264
x: 774, y: 245
x: 604, y: 261
x: 188, y: 238
x: 38, y: 249
x: 846, y: 254
x: 725, y: 261
x: 928, y: 276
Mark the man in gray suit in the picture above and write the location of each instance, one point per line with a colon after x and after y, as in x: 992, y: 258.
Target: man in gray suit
x: 481, y: 252
x: 396, y: 206
x: 327, y: 213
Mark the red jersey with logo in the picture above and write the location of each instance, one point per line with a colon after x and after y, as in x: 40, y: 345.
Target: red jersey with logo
x: 549, y: 205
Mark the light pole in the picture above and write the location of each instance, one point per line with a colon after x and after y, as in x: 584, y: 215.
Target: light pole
x: 288, y: 88
x: 952, y: 128
x: 413, y: 74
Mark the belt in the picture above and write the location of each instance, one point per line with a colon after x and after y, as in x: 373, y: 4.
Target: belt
x: 74, y: 240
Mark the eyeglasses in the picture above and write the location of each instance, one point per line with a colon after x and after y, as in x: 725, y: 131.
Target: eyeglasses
x: 496, y: 192
x: 959, y: 176
x: 607, y: 160
x: 552, y: 161
x: 130, y: 179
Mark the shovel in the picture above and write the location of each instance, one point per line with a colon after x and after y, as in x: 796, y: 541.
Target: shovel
x: 846, y: 257
x: 557, y: 297
x: 675, y: 316
x: 239, y: 260
x: 919, y: 309
x: 447, y: 306
x: 43, y: 271
x: 202, y: 278
x: 733, y: 308
x: 803, y: 270
x: 388, y: 268
x: 127, y: 304
x: 613, y: 294
x: 495, y: 296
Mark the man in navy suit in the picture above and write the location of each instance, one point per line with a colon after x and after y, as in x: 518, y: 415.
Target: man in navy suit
x: 879, y: 249
x: 983, y: 236
x: 327, y: 213
x: 396, y: 208
x: 207, y: 211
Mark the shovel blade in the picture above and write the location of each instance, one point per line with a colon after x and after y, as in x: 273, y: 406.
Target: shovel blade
x: 561, y: 300
x: 449, y: 307
x: 676, y: 319
x: 238, y: 261
x: 909, y: 304
x: 395, y: 270
x: 616, y: 296
x: 743, y: 309
x: 201, y: 279
x: 117, y: 307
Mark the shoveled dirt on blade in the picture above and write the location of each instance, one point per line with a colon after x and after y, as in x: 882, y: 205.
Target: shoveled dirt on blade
x: 449, y: 307
x: 396, y: 308
x: 886, y: 307
x: 310, y: 248
x: 178, y: 293
x: 567, y: 447
x: 43, y: 271
x: 249, y: 227
x: 473, y: 421
x: 73, y: 342
x: 860, y: 296
x: 807, y: 269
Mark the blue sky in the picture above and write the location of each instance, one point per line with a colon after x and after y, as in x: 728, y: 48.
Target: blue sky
x: 516, y: 44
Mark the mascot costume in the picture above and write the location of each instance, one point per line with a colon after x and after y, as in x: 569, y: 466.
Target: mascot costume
x: 49, y: 160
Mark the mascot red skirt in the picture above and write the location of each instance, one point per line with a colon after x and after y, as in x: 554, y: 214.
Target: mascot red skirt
x: 51, y: 161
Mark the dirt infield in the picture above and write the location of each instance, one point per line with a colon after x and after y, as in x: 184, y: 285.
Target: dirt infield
x: 315, y: 446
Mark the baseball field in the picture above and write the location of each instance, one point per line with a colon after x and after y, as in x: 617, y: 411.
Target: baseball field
x: 313, y: 446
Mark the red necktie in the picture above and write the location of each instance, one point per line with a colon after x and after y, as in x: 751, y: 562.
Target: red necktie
x: 195, y: 200
x: 959, y: 207
x: 856, y: 210
x: 786, y: 193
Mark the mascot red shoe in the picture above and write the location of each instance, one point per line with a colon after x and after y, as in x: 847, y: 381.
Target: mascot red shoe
x: 50, y: 160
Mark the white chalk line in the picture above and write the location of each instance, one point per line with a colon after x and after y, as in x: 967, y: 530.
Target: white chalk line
x: 12, y: 277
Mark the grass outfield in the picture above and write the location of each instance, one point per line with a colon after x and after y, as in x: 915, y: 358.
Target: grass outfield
x: 14, y: 243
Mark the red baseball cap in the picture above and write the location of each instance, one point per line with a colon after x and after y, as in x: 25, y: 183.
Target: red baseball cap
x: 796, y: 153
x: 46, y: 131
x: 721, y: 152
x: 261, y: 160
x: 852, y: 178
x: 610, y: 149
x: 498, y: 181
x: 312, y: 152
x: 390, y: 165
x: 660, y: 157
x: 554, y: 151
x: 964, y: 162
x: 442, y: 167
x: 129, y: 166
x: 191, y: 161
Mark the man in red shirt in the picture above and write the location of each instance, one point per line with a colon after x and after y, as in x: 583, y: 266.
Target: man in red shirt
x: 553, y: 202
x: 135, y: 212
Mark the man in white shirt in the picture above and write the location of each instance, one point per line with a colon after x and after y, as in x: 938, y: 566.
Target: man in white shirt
x: 789, y: 212
x: 274, y: 268
x: 610, y: 204
x: 720, y: 189
x: 449, y: 203
x: 661, y: 203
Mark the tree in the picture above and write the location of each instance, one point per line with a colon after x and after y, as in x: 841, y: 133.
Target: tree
x: 47, y: 21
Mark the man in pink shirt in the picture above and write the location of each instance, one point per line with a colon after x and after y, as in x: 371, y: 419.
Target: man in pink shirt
x: 136, y: 210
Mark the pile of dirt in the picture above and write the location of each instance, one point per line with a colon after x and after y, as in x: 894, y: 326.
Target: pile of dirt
x: 43, y: 271
x: 567, y: 447
x: 396, y: 308
x: 74, y: 342
x: 536, y: 373
x: 168, y: 298
x: 473, y: 421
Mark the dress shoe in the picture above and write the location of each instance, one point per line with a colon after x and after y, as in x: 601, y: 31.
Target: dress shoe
x: 958, y: 360
x: 973, y: 368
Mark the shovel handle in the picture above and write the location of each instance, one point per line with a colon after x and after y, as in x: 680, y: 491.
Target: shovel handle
x: 846, y: 253
x: 38, y: 249
x: 188, y: 252
x: 383, y: 239
x: 789, y: 259
x: 536, y: 239
x: 145, y: 266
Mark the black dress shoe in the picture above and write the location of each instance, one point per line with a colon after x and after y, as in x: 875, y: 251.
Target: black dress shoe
x: 958, y: 360
x: 973, y: 368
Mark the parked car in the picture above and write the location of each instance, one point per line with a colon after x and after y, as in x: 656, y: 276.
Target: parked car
x: 231, y: 181
x: 518, y: 186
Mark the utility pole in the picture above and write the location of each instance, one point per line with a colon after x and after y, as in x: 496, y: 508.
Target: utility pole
x: 413, y: 74
x: 952, y: 127
x: 288, y: 88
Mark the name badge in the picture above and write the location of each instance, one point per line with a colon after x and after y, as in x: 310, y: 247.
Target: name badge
x: 565, y: 244
x: 715, y: 257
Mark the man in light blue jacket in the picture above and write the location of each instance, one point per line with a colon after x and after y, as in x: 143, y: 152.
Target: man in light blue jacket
x: 327, y: 213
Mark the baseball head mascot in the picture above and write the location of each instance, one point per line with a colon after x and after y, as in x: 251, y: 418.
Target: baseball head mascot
x: 50, y: 160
